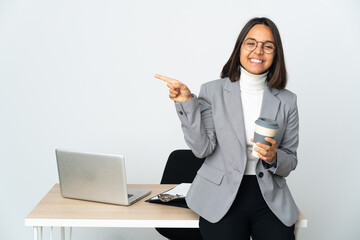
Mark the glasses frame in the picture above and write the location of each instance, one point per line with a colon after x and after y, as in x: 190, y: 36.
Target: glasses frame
x: 262, y: 46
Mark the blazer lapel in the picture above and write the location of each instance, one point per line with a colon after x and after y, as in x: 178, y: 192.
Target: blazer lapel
x: 234, y: 109
x: 270, y: 103
x: 269, y: 107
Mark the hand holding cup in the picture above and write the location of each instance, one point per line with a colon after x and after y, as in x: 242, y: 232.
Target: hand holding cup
x: 265, y: 145
x: 266, y: 152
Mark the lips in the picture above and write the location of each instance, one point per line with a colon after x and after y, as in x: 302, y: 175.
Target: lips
x: 255, y: 60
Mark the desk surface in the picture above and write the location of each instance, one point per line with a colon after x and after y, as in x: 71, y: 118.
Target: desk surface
x: 54, y: 210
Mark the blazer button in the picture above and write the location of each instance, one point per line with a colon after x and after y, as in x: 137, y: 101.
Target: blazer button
x: 181, y: 113
x: 261, y: 174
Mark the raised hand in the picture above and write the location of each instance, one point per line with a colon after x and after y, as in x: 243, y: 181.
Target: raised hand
x: 179, y: 92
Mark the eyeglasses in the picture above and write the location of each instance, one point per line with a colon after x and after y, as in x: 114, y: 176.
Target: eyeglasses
x: 250, y: 44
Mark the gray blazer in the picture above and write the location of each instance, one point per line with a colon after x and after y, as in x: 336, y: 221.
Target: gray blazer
x: 213, y: 127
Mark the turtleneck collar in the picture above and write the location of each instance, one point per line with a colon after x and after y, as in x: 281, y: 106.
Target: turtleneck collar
x: 252, y: 82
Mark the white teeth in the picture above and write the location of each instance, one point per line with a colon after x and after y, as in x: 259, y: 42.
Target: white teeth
x: 256, y: 60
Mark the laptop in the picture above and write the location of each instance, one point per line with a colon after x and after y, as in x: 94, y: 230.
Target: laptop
x: 95, y: 177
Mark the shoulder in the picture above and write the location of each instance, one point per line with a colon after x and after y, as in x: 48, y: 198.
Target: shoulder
x: 286, y: 94
x: 287, y: 97
x: 215, y: 84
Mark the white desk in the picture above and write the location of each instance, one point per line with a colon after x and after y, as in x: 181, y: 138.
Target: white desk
x: 55, y: 211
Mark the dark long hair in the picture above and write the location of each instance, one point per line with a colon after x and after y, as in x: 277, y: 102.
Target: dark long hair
x: 277, y: 76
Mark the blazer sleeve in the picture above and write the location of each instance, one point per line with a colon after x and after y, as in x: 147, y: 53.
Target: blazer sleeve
x: 197, y: 123
x: 286, y: 155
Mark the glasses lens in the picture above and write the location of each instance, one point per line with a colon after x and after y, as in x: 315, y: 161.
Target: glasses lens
x: 250, y: 44
x: 269, y: 47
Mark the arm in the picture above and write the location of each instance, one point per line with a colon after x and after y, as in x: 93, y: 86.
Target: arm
x: 286, y: 155
x: 197, y: 123
x: 195, y: 115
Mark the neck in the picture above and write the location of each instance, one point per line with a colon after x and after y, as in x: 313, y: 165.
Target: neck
x: 252, y: 82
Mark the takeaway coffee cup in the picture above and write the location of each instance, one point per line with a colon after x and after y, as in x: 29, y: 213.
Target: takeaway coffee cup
x: 264, y: 127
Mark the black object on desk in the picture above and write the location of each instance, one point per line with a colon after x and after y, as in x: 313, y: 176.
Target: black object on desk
x: 173, y: 197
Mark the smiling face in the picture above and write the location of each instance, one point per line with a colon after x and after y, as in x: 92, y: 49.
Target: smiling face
x: 257, y: 61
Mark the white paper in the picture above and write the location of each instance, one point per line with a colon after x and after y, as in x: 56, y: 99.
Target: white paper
x: 180, y: 189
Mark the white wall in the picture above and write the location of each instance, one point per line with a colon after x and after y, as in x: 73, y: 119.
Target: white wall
x: 79, y: 74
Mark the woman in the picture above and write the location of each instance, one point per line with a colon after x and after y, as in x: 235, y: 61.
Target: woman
x: 235, y: 194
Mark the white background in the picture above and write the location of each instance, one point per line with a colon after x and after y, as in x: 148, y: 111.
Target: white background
x: 79, y: 74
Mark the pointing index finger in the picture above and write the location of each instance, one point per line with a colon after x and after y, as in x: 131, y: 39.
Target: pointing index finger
x: 166, y: 79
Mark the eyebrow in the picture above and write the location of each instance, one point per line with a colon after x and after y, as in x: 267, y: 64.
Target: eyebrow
x: 261, y: 41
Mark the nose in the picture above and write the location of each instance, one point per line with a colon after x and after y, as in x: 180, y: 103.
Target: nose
x: 259, y: 48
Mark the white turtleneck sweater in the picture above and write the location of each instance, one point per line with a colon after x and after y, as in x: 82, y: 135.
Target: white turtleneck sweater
x: 252, y: 90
